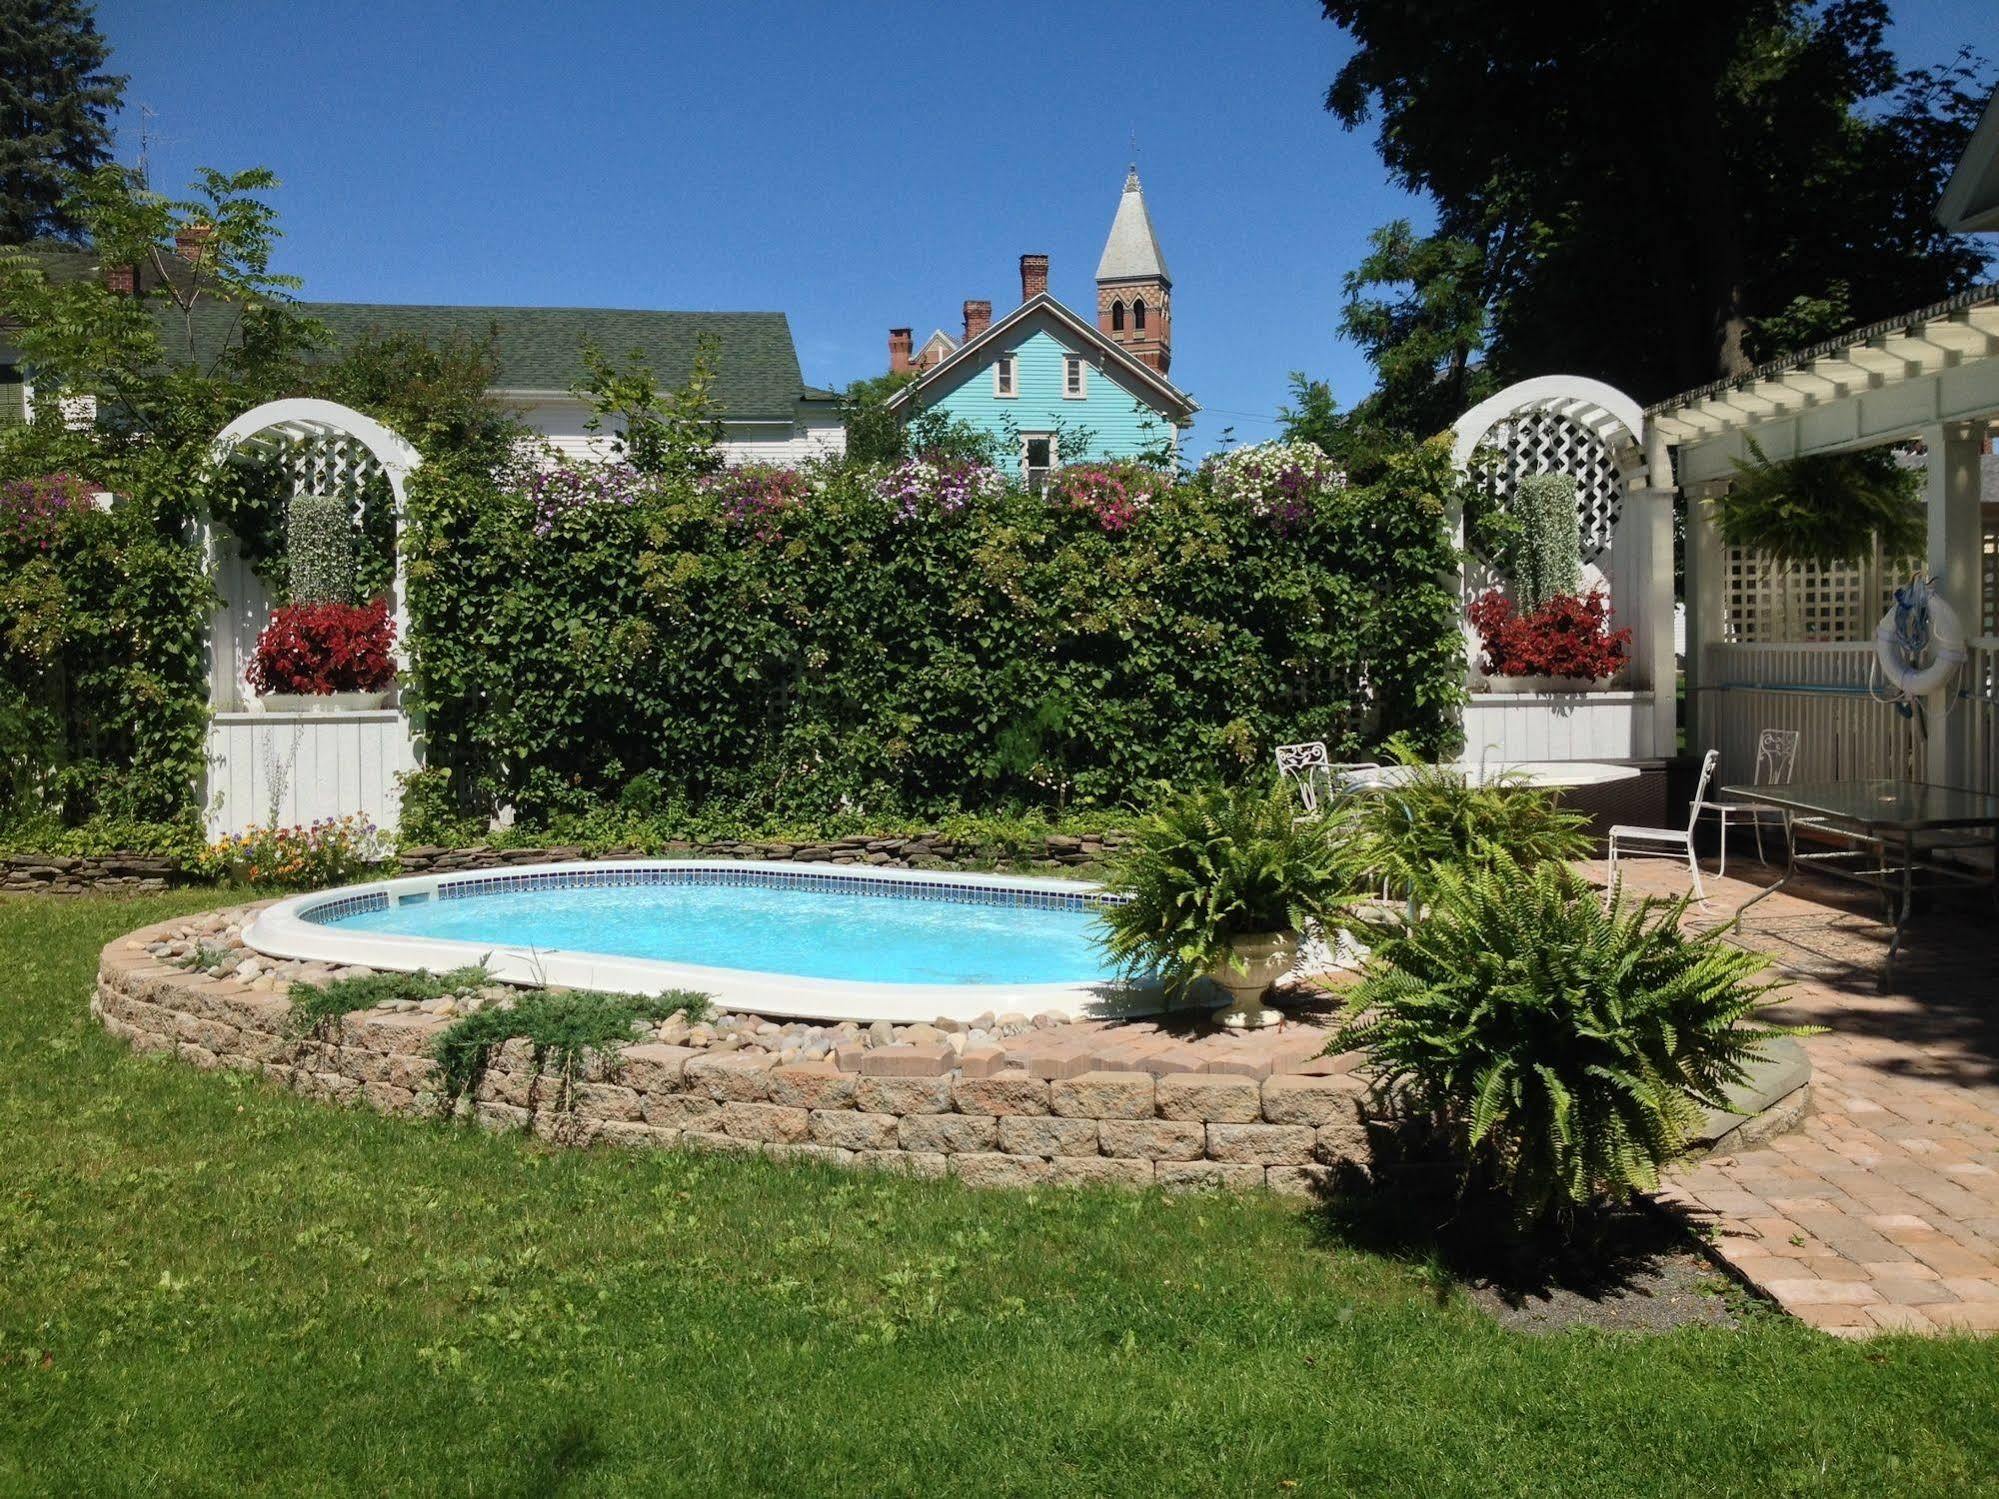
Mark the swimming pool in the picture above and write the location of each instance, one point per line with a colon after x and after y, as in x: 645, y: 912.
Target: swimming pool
x: 804, y: 941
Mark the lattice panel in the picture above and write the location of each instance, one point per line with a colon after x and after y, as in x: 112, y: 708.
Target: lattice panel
x: 1541, y: 441
x: 332, y: 464
x: 1766, y: 603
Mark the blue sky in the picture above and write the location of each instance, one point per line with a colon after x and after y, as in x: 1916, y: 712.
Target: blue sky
x: 855, y: 166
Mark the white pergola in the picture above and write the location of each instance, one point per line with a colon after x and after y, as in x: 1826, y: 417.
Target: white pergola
x: 1931, y: 376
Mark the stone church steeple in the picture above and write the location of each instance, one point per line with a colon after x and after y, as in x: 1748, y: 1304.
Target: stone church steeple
x: 1134, y: 291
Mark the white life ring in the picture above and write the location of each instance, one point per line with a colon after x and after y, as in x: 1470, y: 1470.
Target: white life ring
x: 1946, y: 635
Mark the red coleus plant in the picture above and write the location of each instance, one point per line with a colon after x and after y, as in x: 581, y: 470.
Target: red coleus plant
x: 1568, y: 636
x: 320, y: 648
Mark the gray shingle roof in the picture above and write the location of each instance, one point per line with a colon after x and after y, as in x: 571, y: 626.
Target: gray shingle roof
x: 1133, y: 249
x: 539, y: 348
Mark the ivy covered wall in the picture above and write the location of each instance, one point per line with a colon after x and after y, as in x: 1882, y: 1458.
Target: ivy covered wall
x: 908, y: 642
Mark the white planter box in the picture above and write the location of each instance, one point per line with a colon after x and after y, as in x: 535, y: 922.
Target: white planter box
x: 1560, y: 726
x: 321, y: 702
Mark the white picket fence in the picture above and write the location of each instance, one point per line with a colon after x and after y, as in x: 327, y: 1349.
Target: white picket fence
x: 1820, y: 689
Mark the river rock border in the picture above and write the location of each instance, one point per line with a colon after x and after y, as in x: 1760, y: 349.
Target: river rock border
x: 902, y: 1108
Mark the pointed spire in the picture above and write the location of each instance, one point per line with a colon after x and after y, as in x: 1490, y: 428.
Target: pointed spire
x: 1132, y: 251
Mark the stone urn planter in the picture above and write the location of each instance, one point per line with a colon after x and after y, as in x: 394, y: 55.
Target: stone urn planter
x: 1265, y: 958
x: 321, y: 702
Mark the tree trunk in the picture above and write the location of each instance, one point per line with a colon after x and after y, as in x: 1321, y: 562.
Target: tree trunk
x: 1713, y: 347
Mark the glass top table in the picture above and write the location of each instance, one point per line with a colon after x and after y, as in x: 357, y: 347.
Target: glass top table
x: 1903, y: 806
x: 1886, y: 821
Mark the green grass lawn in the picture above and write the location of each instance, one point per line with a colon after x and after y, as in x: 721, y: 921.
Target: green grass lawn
x: 208, y: 1286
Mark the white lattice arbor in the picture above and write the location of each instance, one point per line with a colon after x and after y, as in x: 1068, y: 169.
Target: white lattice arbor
x: 1595, y: 434
x: 267, y: 767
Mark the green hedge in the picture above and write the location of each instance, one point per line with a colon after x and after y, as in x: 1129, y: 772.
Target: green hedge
x: 103, y: 685
x: 673, y: 647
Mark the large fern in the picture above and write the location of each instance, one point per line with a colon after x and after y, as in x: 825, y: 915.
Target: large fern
x: 1215, y: 865
x: 1435, y: 817
x: 1569, y: 1050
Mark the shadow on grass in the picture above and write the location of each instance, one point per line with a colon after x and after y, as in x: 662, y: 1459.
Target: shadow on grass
x: 1636, y: 1267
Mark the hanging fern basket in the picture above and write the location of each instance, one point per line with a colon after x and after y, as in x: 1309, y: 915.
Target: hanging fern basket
x: 1826, y: 508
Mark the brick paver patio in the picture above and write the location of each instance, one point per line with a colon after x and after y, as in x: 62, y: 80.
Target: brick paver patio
x: 1881, y: 1211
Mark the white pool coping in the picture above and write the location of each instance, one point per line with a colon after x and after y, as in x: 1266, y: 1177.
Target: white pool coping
x: 282, y: 931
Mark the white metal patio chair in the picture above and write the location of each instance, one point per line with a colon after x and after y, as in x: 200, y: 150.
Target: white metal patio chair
x: 1318, y: 783
x: 1666, y: 843
x: 1776, y: 764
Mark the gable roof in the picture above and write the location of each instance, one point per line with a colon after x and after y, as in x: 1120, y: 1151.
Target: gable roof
x: 539, y: 349
x: 1132, y: 251
x: 1176, y: 403
x: 1970, y: 200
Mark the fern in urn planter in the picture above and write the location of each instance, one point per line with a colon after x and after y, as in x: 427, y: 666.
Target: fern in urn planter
x: 1220, y: 884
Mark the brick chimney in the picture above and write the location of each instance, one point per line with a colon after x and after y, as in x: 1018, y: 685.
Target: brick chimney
x: 898, y: 351
x: 978, y: 318
x: 192, y: 239
x: 121, y: 280
x: 1033, y: 276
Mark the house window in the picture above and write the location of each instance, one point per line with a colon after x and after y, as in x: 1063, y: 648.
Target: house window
x: 1039, y: 453
x: 1117, y: 316
x: 1003, y: 375
x: 1073, y: 387
x: 1138, y: 313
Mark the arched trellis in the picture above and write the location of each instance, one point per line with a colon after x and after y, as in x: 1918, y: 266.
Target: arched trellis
x: 266, y: 767
x: 1561, y: 424
x: 1596, y: 434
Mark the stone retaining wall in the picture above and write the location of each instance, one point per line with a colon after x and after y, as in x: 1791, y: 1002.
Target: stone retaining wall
x: 913, y: 851
x: 895, y: 1107
x: 62, y: 874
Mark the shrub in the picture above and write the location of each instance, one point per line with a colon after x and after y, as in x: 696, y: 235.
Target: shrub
x: 1112, y: 494
x: 320, y: 648
x: 1567, y: 1051
x: 562, y: 1026
x: 1568, y: 635
x: 1213, y: 866
x: 872, y: 663
x: 559, y: 489
x: 319, y: 547
x: 315, y: 1006
x: 1545, y: 558
x: 1279, y: 482
x: 332, y: 851
x: 935, y: 486
x: 32, y: 511
x: 1435, y: 818
x: 755, y: 496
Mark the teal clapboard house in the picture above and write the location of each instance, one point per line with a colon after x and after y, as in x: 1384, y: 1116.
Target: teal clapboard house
x: 1049, y: 386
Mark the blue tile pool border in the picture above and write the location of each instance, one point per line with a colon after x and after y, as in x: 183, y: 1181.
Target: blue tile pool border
x: 880, y: 887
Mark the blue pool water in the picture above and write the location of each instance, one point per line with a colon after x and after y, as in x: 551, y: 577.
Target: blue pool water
x: 866, y: 938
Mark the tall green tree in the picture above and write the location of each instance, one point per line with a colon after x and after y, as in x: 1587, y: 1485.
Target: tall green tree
x: 1661, y: 192
x: 56, y: 103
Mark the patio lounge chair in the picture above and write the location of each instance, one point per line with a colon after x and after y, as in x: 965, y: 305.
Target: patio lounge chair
x: 1666, y: 843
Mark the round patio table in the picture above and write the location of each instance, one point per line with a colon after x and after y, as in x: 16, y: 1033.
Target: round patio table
x: 1547, y: 774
